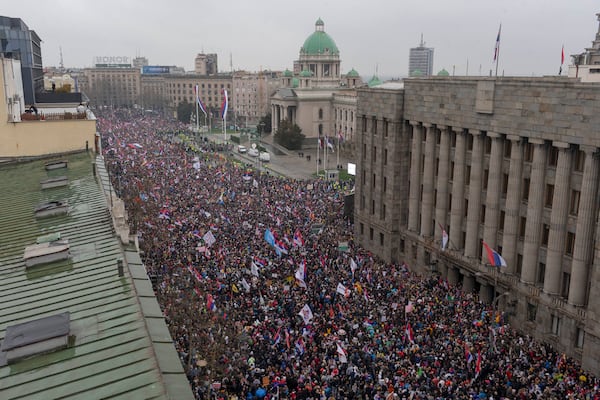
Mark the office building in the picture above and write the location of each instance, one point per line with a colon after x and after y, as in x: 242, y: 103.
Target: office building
x: 420, y: 60
x: 19, y: 42
x: 206, y: 64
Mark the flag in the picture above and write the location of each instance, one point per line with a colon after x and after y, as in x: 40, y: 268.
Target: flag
x: 562, y: 59
x: 287, y: 337
x: 478, y: 363
x: 495, y: 258
x: 409, y: 307
x: 353, y: 265
x: 306, y: 314
x: 255, y: 183
x: 300, y: 275
x: 329, y: 144
x: 200, y: 104
x: 269, y: 238
x: 210, y: 303
x: 277, y: 337
x: 320, y: 143
x: 497, y: 47
x: 409, y: 333
x: 343, y: 290
x: 341, y: 353
x: 445, y: 237
x: 254, y: 269
x: 300, y: 346
x: 209, y: 238
x: 298, y: 241
x: 225, y: 105
x: 245, y: 285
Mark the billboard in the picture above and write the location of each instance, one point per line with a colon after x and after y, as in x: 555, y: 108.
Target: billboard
x: 155, y: 69
x: 112, y: 62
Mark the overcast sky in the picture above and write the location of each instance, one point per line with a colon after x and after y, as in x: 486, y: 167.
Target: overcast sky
x: 373, y: 35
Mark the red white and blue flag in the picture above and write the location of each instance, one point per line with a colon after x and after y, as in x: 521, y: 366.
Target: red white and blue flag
x: 298, y: 241
x: 210, y: 303
x: 494, y: 257
x: 200, y: 103
x: 497, y: 46
x: 409, y: 333
x: 224, y: 105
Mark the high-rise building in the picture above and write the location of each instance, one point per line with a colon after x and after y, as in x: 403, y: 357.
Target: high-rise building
x: 586, y: 65
x: 206, y: 64
x: 420, y: 60
x: 19, y: 42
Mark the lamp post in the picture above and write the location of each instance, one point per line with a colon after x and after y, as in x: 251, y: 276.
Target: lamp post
x: 495, y: 301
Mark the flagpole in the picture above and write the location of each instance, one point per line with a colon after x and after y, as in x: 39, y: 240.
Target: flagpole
x: 317, y: 160
x: 337, y: 165
x: 498, y: 51
x: 197, y: 113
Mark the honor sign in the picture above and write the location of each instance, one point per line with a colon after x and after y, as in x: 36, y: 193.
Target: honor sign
x: 112, y: 62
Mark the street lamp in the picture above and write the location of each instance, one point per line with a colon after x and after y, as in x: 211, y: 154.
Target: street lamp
x: 495, y: 302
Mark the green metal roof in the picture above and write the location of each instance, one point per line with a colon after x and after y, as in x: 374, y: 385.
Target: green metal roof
x: 295, y: 82
x: 443, y: 72
x: 111, y: 351
x: 352, y: 74
x: 374, y: 81
x: 287, y: 73
x: 306, y: 73
x: 319, y: 42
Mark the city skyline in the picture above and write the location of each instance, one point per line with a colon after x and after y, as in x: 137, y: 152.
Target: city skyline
x: 265, y: 35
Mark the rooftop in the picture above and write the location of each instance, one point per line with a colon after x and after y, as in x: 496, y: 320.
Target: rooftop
x: 117, y: 342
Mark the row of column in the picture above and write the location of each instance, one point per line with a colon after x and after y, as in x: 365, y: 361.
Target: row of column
x: 423, y: 185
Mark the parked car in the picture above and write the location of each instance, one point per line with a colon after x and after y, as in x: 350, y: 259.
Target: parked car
x: 253, y: 153
x: 264, y: 156
x: 242, y: 149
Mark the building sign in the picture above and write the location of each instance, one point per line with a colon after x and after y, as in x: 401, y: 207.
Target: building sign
x: 112, y: 62
x: 155, y: 69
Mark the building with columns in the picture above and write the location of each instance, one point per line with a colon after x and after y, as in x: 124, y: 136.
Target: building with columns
x: 512, y: 162
x: 316, y: 96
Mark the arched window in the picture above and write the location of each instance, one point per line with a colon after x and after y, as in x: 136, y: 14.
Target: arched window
x: 320, y: 113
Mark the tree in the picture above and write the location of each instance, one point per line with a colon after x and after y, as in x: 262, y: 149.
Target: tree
x: 184, y: 111
x: 289, y: 135
x: 266, y: 121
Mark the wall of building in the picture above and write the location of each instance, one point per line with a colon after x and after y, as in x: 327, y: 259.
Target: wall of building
x: 512, y: 161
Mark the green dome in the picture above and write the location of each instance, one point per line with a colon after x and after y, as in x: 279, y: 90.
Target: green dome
x: 352, y: 74
x: 416, y: 72
x: 319, y: 42
x: 443, y: 72
x: 287, y: 73
x: 374, y: 81
x: 295, y: 82
x: 306, y: 73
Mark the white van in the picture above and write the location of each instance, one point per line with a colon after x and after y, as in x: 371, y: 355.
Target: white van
x: 242, y: 149
x: 253, y: 152
x: 264, y: 156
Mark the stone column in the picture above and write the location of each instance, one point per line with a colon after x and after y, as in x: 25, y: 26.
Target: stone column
x: 535, y: 206
x: 415, y: 178
x: 428, y: 181
x: 492, y: 202
x: 558, y: 219
x: 584, y: 234
x: 468, y: 283
x: 486, y: 293
x: 452, y: 275
x: 441, y: 203
x: 472, y: 242
x: 458, y: 192
x: 513, y: 202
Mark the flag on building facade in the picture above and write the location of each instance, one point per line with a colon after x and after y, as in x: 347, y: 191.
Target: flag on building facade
x: 494, y: 257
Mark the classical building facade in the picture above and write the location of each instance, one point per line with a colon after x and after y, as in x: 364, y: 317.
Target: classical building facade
x: 512, y: 162
x: 316, y: 96
x: 116, y: 86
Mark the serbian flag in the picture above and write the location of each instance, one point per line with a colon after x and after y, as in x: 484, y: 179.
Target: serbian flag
x: 497, y: 46
x: 341, y: 353
x: 200, y: 104
x: 445, y: 237
x: 409, y: 333
x: 306, y: 314
x: 298, y: 241
x: 478, y: 363
x: 224, y: 105
x: 495, y: 258
x: 277, y: 337
x: 329, y: 144
x: 210, y: 303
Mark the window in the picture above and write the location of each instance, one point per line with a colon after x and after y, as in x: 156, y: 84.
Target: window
x: 579, y: 160
x: 570, y: 244
x: 364, y: 124
x: 385, y: 127
x: 451, y: 171
x: 507, y: 148
x: 541, y: 273
x: 370, y: 233
x: 372, y: 208
x: 531, y: 311
x: 519, y: 264
x: 522, y: 226
x: 525, y: 191
x: 565, y: 284
x: 486, y: 177
x: 504, y: 185
x: 466, y: 210
x: 362, y: 202
x: 364, y: 151
x: 381, y: 239
x: 555, y: 325
x: 449, y: 201
x: 320, y: 113
x: 373, y: 180
x: 468, y: 174
x: 545, y: 234
x: 482, y: 214
x: 549, y: 196
x: 375, y: 154
x: 579, y: 338
x: 383, y: 211
x: 384, y: 184
x: 501, y: 222
x: 574, y: 204
x: 362, y: 228
x: 469, y: 142
x: 529, y: 152
x: 364, y: 177
x: 385, y: 156
x: 553, y: 156
x: 374, y: 123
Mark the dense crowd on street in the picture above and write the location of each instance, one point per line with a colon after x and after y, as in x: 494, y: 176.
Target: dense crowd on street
x: 267, y: 295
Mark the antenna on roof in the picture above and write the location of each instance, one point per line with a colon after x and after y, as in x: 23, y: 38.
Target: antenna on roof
x: 61, y: 65
x: 422, y: 42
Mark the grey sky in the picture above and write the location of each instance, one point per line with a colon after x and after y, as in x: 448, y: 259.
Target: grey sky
x: 268, y: 34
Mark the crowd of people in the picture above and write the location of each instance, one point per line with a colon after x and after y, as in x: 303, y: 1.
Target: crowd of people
x: 267, y: 295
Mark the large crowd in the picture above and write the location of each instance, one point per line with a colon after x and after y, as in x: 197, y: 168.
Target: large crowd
x: 267, y: 295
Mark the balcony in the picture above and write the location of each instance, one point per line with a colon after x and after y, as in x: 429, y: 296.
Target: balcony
x: 54, y: 116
